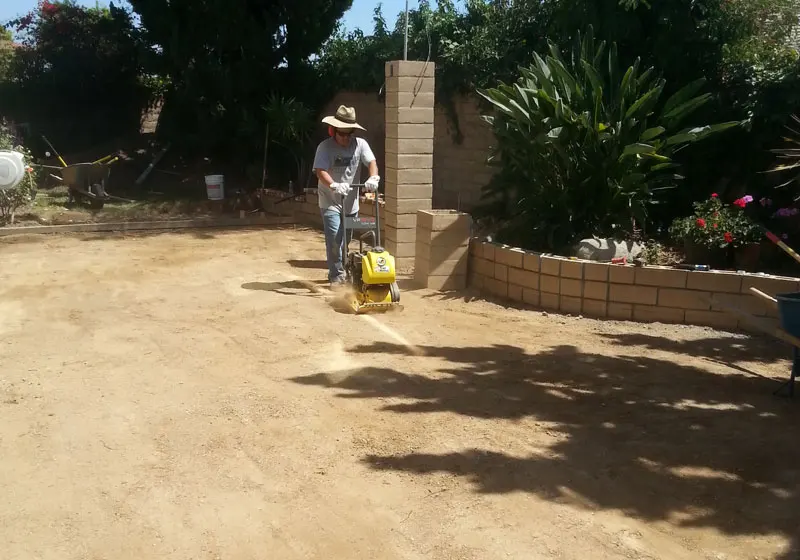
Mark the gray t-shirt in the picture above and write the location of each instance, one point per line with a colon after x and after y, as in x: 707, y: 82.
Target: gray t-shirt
x: 344, y: 166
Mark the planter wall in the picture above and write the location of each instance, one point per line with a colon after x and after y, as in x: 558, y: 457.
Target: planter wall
x: 646, y: 294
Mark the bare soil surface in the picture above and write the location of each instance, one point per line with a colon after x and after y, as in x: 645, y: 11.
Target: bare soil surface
x: 198, y: 396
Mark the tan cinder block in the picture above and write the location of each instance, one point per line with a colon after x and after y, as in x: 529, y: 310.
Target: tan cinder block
x: 746, y: 326
x: 524, y: 278
x: 400, y: 250
x: 412, y: 191
x: 444, y: 220
x: 489, y: 250
x: 410, y: 84
x: 549, y: 284
x: 714, y: 282
x: 447, y: 283
x: 409, y: 68
x: 531, y: 261
x: 436, y: 253
x: 571, y: 305
x: 571, y: 287
x: 447, y: 238
x: 408, y: 161
x: 596, y: 272
x: 496, y: 287
x: 683, y: 299
x: 409, y: 131
x: 531, y: 297
x: 424, y: 267
x: 592, y: 308
x: 595, y: 290
x: 514, y: 292
x: 409, y: 100
x: 772, y: 286
x: 401, y: 235
x: 475, y: 281
x: 408, y: 115
x: 572, y: 269
x: 621, y: 293
x: 409, y: 145
x: 714, y: 319
x: 618, y: 274
x: 661, y: 277
x: 399, y: 220
x: 483, y: 267
x: 751, y: 304
x: 407, y: 205
x: 652, y: 313
x: 475, y: 247
x: 402, y: 177
x: 509, y: 256
x: 620, y: 311
x: 501, y: 272
x: 549, y: 301
x: 550, y: 266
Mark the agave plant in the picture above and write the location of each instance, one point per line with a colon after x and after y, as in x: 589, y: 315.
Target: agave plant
x: 583, y: 148
x: 789, y: 158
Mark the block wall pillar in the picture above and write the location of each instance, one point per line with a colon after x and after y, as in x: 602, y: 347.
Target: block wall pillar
x: 408, y: 174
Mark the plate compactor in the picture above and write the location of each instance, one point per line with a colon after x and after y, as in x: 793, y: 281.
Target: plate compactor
x: 370, y: 274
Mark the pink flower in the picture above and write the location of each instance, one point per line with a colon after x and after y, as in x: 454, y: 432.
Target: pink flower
x: 748, y: 199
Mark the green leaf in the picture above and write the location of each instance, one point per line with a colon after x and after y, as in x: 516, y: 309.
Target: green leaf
x: 637, y: 148
x: 684, y: 109
x: 643, y: 105
x: 652, y: 133
x: 684, y: 94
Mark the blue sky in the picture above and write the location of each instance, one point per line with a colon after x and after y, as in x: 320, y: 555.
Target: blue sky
x: 359, y: 16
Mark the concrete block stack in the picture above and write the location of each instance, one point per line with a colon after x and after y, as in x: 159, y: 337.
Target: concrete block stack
x: 442, y: 249
x: 408, y: 174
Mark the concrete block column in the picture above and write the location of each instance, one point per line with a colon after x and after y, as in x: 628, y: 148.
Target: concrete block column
x: 408, y: 175
x: 442, y: 250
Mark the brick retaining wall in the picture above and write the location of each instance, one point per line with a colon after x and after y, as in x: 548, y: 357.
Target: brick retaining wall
x: 646, y: 294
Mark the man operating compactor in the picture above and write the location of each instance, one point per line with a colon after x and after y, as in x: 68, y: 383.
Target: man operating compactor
x: 337, y: 166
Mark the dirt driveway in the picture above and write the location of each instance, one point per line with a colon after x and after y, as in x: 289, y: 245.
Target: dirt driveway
x: 183, y: 396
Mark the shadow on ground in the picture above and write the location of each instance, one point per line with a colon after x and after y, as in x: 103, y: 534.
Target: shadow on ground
x: 308, y: 264
x: 289, y: 287
x: 653, y: 438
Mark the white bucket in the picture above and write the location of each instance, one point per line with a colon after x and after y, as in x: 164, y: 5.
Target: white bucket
x: 12, y: 169
x: 215, y: 187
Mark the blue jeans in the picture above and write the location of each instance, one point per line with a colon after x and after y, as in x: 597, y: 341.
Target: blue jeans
x: 332, y: 226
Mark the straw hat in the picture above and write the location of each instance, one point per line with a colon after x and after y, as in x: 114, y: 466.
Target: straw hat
x: 345, y: 118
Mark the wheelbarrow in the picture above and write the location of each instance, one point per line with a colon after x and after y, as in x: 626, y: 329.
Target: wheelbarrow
x: 788, y: 306
x: 87, y: 183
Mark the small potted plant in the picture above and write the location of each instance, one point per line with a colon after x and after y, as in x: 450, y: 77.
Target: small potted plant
x: 743, y: 235
x: 702, y: 233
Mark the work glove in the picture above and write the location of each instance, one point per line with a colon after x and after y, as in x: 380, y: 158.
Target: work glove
x: 341, y: 188
x: 372, y: 184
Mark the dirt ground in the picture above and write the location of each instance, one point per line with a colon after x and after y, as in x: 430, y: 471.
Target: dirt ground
x: 188, y: 396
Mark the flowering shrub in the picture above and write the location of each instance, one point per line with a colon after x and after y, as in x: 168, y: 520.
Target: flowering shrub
x: 717, y: 226
x: 12, y: 200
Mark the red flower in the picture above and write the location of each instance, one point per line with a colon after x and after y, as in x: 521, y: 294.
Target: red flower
x: 701, y: 222
x: 714, y: 195
x: 716, y: 226
x: 740, y: 202
x: 728, y: 237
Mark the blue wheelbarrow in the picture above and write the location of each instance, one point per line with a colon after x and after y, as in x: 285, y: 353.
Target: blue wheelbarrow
x: 788, y: 306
